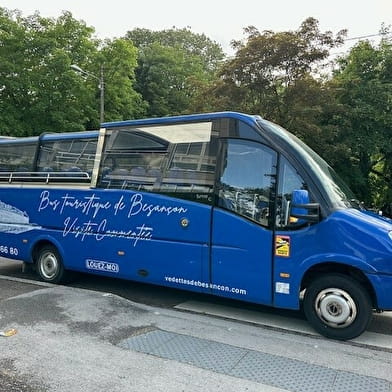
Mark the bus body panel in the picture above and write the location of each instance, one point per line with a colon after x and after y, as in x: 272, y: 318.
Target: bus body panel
x: 382, y: 284
x: 241, y: 258
x: 348, y: 238
x: 148, y: 237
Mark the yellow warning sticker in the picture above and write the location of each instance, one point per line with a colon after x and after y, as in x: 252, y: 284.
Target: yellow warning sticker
x: 282, y: 246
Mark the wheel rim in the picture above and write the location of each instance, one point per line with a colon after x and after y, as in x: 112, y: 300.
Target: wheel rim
x: 336, y: 308
x: 48, y: 265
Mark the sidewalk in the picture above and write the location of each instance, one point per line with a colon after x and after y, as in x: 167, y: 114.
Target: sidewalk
x: 77, y: 340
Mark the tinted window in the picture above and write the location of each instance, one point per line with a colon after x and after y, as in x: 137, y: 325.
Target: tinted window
x: 331, y: 185
x: 173, y: 159
x: 289, y: 181
x: 17, y: 157
x: 69, y: 155
x: 247, y: 180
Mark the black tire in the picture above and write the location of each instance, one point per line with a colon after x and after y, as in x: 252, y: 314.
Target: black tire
x: 49, y: 264
x: 337, y: 306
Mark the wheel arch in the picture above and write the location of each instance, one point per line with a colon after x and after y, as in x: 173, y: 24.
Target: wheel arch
x: 339, y: 268
x: 40, y: 243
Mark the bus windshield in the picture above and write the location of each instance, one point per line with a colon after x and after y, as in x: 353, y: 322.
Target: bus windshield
x: 338, y: 191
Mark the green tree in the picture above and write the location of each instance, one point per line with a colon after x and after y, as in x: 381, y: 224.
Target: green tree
x: 174, y: 66
x: 166, y: 79
x: 13, y: 78
x: 120, y: 59
x: 37, y: 81
x: 270, y: 71
x: 209, y: 52
x: 41, y: 93
x: 363, y: 88
x: 117, y: 59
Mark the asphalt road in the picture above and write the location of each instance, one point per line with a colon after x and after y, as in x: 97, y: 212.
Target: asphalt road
x: 76, y: 340
x: 167, y: 297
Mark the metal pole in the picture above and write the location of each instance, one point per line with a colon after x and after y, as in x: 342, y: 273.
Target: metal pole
x: 102, y: 98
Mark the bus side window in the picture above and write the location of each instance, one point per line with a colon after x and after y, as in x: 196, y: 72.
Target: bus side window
x: 177, y: 160
x: 247, y: 179
x: 17, y: 157
x: 68, y: 155
x: 288, y: 182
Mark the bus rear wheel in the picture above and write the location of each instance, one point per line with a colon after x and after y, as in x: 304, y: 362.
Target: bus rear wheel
x: 49, y: 264
x: 337, y: 306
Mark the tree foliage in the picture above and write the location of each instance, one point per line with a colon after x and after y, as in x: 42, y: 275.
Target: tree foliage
x: 207, y: 51
x: 363, y: 86
x: 165, y: 79
x: 173, y: 66
x: 39, y: 90
x: 119, y: 59
x: 270, y: 70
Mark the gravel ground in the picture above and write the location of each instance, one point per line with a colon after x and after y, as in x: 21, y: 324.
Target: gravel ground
x: 11, y: 381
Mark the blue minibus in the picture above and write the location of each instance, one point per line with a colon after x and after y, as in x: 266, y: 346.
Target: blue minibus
x: 221, y: 203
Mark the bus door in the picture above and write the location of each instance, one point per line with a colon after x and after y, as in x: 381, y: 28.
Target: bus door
x: 242, y: 235
x: 295, y: 239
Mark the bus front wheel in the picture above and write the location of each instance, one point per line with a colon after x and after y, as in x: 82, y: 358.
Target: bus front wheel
x: 49, y: 264
x: 337, y: 306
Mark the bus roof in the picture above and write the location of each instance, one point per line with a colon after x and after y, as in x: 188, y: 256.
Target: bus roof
x: 181, y: 119
x: 45, y: 137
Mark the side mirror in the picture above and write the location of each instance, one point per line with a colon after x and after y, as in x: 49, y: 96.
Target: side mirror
x: 302, y: 209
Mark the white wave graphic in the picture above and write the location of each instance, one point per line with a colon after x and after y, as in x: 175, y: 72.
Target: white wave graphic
x: 13, y: 220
